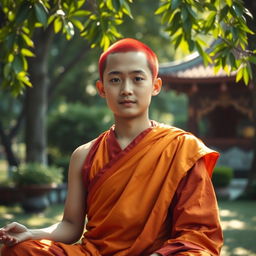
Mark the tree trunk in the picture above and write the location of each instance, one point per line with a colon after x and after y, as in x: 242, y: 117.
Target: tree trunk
x: 251, y: 6
x: 36, y: 100
x: 7, y: 144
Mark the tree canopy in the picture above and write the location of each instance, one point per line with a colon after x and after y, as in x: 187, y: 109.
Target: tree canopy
x: 95, y: 21
x: 187, y: 22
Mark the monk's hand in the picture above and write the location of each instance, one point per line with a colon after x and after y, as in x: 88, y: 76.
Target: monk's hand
x: 14, y: 233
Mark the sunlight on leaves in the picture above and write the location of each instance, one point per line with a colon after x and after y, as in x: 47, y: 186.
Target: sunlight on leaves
x: 242, y: 251
x: 41, y: 220
x: 8, y: 216
x: 233, y: 224
x: 238, y: 251
x: 227, y: 213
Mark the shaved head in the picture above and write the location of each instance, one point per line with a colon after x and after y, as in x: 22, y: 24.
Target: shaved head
x: 129, y: 45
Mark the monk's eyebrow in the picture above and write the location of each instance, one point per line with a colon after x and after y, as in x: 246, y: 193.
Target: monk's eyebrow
x: 114, y: 73
x: 139, y: 72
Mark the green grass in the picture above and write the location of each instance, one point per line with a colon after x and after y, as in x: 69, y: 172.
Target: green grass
x: 238, y: 220
x: 37, y: 220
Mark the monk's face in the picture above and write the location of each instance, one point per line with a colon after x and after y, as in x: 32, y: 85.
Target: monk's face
x: 128, y: 84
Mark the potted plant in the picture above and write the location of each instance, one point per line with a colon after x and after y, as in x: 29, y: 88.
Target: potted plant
x: 10, y: 194
x: 35, y: 181
x: 221, y: 179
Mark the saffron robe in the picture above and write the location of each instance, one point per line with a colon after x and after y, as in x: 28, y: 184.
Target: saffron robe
x: 139, y: 198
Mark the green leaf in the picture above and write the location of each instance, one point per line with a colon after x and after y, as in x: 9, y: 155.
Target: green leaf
x: 252, y: 59
x: 22, y: 76
x: 10, y: 57
x: 126, y: 9
x: 187, y: 26
x: 229, y: 2
x: 184, y: 15
x: 177, y: 41
x: 216, y: 68
x: 27, y: 40
x: 211, y: 7
x: 27, y: 52
x: 17, y: 64
x: 79, y: 3
x: 175, y: 4
x: 210, y: 21
x: 22, y: 13
x: 175, y: 17
x: 57, y: 25
x: 191, y: 44
x: 166, y: 17
x: 105, y: 42
x: 81, y: 13
x: 206, y: 57
x: 114, y: 32
x: 109, y: 5
x: 24, y: 63
x: 116, y: 5
x: 238, y: 10
x: 41, y: 13
x: 246, y: 74
x: 223, y: 13
x: 162, y: 8
x: 78, y: 24
x: 232, y: 60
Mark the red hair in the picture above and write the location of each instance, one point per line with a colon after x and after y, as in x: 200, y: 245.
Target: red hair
x: 129, y: 45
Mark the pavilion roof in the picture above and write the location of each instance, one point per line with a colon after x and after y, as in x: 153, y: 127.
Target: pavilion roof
x: 191, y: 67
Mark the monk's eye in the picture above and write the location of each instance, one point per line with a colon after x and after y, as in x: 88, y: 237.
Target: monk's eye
x: 115, y: 80
x: 138, y: 78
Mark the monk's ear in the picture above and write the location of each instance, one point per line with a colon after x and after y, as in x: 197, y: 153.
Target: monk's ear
x: 157, y: 86
x: 100, y: 88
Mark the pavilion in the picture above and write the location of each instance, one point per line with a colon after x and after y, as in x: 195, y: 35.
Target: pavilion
x: 219, y: 109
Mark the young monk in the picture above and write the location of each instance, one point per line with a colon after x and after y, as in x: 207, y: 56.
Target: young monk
x: 145, y: 187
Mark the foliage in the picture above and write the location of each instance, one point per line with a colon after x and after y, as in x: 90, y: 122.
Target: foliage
x: 74, y: 124
x: 222, y: 176
x: 19, y: 19
x: 35, y: 174
x: 61, y: 161
x: 170, y: 108
x: 188, y: 22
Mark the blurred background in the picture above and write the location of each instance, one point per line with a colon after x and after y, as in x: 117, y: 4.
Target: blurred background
x: 42, y: 125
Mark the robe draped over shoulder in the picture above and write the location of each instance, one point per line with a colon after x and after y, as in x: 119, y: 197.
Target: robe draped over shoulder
x: 130, y: 190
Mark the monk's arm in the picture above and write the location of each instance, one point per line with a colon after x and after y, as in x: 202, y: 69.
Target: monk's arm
x: 68, y: 230
x: 195, y: 222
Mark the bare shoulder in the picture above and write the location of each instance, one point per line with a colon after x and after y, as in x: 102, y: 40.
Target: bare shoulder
x: 79, y: 155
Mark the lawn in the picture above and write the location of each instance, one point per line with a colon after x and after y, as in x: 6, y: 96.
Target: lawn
x: 238, y: 221
x: 239, y: 224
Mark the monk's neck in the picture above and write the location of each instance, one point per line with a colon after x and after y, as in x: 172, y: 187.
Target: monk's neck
x: 127, y: 131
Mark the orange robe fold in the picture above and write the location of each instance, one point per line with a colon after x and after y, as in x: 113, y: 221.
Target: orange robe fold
x: 130, y: 194
x: 138, y: 198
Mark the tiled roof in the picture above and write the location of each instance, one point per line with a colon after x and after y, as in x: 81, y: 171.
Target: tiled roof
x: 191, y: 67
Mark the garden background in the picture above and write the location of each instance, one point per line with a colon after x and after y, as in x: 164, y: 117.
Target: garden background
x: 56, y: 50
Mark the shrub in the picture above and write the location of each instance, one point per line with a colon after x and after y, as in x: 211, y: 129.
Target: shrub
x: 74, y: 124
x: 35, y: 174
x: 222, y: 176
